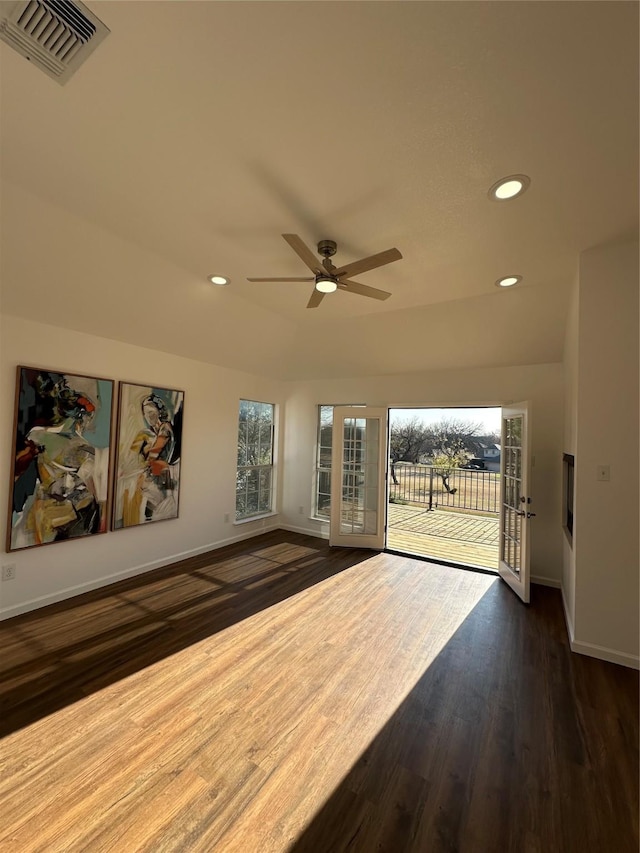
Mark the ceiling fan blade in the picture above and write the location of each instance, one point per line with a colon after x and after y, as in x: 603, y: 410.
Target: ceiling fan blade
x: 308, y: 278
x: 316, y: 299
x: 362, y: 289
x: 369, y: 263
x: 303, y: 252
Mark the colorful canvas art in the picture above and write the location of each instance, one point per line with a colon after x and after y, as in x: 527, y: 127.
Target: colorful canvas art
x: 61, y: 457
x: 149, y: 447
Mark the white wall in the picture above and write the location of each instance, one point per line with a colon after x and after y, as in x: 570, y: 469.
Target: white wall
x: 569, y: 446
x: 541, y: 384
x: 607, y: 513
x: 57, y: 571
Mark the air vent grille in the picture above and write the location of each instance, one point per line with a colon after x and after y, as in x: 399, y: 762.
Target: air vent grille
x: 56, y: 35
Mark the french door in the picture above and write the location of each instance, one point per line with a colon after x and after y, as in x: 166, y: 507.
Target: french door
x: 358, y: 477
x: 358, y: 486
x: 515, y: 504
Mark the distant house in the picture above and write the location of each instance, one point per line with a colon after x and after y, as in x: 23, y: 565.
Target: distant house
x: 491, y: 451
x: 488, y: 453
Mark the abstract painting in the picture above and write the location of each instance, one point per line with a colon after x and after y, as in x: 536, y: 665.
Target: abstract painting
x: 60, y: 459
x: 148, y: 460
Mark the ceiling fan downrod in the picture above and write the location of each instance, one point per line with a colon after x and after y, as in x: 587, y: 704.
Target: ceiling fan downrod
x: 327, y: 248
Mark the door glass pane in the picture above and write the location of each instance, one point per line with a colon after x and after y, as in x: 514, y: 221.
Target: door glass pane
x: 516, y: 431
x: 512, y: 490
x: 370, y: 523
x: 360, y: 468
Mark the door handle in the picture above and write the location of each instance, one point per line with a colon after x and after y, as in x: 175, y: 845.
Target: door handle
x: 525, y: 514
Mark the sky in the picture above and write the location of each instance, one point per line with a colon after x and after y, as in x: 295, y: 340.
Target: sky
x: 489, y: 417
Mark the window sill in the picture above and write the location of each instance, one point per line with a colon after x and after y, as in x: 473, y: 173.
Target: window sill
x: 319, y: 518
x: 254, y: 518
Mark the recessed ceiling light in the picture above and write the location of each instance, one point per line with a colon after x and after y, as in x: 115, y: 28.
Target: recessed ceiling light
x: 509, y: 187
x: 220, y: 280
x: 508, y: 281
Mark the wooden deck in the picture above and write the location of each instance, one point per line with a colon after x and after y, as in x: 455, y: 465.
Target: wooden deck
x: 444, y: 535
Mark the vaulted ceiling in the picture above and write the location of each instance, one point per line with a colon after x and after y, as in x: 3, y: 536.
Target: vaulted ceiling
x: 198, y: 132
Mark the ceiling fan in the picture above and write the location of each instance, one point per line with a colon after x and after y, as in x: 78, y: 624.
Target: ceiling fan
x: 328, y: 277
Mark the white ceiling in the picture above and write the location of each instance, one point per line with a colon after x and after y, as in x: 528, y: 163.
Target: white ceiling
x: 199, y: 132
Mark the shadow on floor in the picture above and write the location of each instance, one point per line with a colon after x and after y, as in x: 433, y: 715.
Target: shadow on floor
x: 496, y: 749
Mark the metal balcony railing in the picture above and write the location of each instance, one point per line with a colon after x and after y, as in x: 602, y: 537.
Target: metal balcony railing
x: 458, y: 488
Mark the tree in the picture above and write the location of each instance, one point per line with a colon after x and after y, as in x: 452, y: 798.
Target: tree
x: 407, y: 443
x: 452, y: 439
x: 448, y: 442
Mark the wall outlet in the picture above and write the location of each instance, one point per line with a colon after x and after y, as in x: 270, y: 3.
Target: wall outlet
x: 603, y: 473
x: 226, y: 518
x: 301, y: 510
x: 8, y: 571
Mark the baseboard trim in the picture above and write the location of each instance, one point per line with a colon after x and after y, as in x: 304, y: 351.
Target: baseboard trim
x: 591, y: 649
x: 542, y: 581
x: 603, y: 653
x: 292, y: 528
x: 132, y: 571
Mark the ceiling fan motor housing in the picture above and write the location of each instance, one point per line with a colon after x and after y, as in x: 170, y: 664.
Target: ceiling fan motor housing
x: 327, y: 248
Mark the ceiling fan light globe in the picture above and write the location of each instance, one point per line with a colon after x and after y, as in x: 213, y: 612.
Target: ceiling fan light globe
x: 326, y: 285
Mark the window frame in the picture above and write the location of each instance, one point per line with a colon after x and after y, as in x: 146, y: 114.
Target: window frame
x: 255, y: 471
x: 321, y: 470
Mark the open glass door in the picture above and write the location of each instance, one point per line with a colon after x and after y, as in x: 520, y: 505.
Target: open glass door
x: 358, y: 469
x: 515, y: 510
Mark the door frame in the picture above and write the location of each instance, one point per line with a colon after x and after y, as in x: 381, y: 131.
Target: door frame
x: 375, y: 540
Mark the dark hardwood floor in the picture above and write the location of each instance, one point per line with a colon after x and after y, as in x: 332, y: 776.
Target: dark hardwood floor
x: 278, y: 695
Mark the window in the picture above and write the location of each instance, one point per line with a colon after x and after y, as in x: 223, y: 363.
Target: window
x: 254, y: 479
x: 323, y: 460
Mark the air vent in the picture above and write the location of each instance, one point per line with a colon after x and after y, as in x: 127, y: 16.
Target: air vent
x: 55, y: 35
